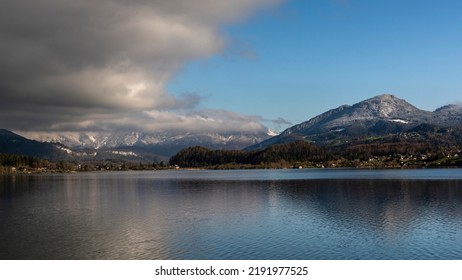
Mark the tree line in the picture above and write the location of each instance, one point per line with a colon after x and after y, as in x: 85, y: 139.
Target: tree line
x: 19, y: 160
x: 390, y: 152
x: 292, y: 153
x: 11, y: 163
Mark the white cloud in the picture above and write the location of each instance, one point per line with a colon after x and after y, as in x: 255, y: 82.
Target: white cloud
x: 163, y: 121
x: 97, y: 64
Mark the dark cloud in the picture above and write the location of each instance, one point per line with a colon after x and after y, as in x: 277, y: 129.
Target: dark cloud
x: 93, y: 64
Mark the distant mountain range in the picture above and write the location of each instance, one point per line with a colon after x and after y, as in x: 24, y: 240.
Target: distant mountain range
x: 378, y: 116
x: 380, y: 120
x: 165, y: 141
x: 137, y: 146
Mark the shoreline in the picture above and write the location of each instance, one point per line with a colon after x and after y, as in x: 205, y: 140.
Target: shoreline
x: 211, y: 168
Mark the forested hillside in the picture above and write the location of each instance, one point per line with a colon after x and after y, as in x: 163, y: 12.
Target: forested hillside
x: 394, y: 150
x: 275, y: 156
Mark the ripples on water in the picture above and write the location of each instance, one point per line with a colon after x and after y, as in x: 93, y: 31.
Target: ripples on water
x: 308, y: 214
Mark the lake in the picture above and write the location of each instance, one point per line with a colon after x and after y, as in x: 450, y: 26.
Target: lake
x: 313, y: 214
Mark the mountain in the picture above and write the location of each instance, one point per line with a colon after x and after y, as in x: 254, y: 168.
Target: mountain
x: 11, y: 143
x: 171, y: 140
x: 144, y: 146
x: 378, y: 122
x: 378, y: 116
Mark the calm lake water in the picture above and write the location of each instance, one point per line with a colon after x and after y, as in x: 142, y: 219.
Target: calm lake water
x: 248, y: 214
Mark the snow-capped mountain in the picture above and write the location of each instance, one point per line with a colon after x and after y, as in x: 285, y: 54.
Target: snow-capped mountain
x: 379, y: 115
x: 90, y: 140
x: 137, y: 144
x: 374, y: 118
x: 117, y: 139
x: 380, y: 108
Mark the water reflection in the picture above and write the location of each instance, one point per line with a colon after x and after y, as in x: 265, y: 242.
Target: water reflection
x: 139, y: 216
x: 384, y: 218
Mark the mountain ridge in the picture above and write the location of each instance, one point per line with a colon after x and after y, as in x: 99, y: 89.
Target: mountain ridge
x: 380, y: 117
x: 136, y: 145
x: 97, y: 140
x: 384, y: 113
x: 12, y: 143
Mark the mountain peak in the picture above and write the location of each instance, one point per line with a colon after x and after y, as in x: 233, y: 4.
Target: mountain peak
x: 386, y: 96
x: 384, y: 113
x: 385, y: 106
x: 382, y: 107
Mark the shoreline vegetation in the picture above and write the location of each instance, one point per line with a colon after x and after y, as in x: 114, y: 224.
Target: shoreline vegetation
x: 298, y: 154
x: 302, y: 154
x: 19, y: 164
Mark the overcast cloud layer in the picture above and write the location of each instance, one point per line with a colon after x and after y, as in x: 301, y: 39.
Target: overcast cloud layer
x: 103, y: 64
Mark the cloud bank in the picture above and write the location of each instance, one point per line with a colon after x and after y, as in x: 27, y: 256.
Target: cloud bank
x: 104, y: 64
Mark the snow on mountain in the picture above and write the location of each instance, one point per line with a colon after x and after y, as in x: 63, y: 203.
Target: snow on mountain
x: 379, y: 115
x: 136, y: 143
x: 399, y: 121
x: 272, y: 133
x: 132, y: 154
x: 92, y: 140
x: 384, y: 107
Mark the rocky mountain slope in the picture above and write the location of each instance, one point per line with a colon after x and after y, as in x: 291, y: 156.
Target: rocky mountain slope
x: 142, y: 146
x: 380, y: 115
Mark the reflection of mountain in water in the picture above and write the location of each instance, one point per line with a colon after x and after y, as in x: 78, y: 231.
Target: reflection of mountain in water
x: 388, y: 203
x: 212, y: 215
x: 392, y: 201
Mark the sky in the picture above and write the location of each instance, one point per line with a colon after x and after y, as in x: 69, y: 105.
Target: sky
x: 205, y: 65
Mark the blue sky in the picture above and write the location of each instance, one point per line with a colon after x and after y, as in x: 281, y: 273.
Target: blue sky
x: 218, y: 66
x: 301, y: 58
